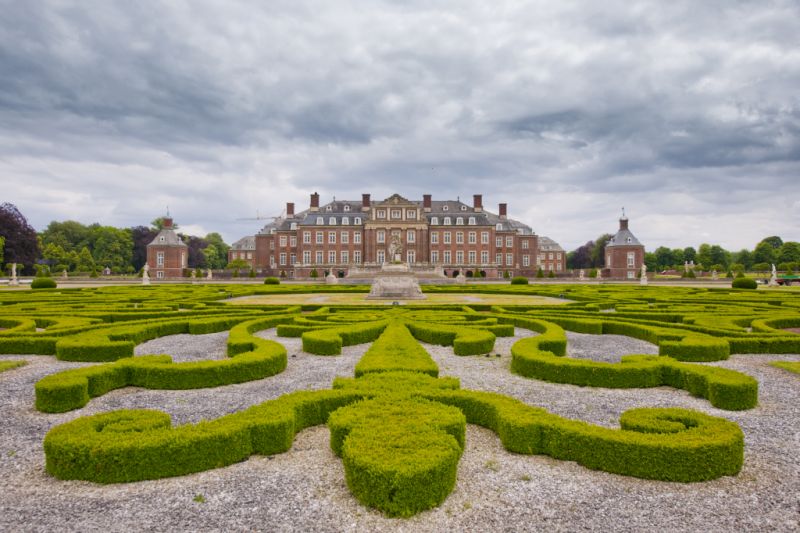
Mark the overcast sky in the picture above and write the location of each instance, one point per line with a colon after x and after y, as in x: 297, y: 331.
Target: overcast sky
x: 685, y: 113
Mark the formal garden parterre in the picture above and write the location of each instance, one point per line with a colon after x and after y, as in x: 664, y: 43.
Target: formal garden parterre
x: 397, y: 423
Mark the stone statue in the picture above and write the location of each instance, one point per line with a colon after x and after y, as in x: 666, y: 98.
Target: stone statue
x: 64, y: 274
x: 643, y: 277
x: 581, y: 275
x: 686, y: 266
x: 331, y: 279
x: 395, y: 248
x: 14, y: 280
x: 209, y: 275
x: 193, y: 274
x: 714, y: 275
x: 146, y: 274
x: 773, y: 279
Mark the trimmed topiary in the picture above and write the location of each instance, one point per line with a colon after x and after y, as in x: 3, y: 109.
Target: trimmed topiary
x: 744, y: 283
x: 519, y: 280
x: 272, y: 281
x: 43, y: 283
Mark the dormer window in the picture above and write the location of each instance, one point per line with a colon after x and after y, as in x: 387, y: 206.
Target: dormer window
x: 320, y: 221
x: 471, y: 221
x: 447, y: 221
x: 332, y: 221
x: 161, y: 239
x: 463, y: 208
x: 328, y: 209
x: 629, y: 239
x: 357, y: 221
x: 345, y: 220
x: 435, y: 221
x: 293, y: 226
x: 499, y: 227
x: 459, y: 221
x: 347, y: 207
x: 445, y: 208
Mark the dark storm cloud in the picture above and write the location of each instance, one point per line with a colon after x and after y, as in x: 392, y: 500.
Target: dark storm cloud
x: 680, y: 111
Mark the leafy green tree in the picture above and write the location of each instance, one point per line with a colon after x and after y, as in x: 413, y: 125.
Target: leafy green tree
x: 85, y: 261
x: 774, y: 241
x: 651, y: 261
x: 761, y: 267
x: 141, y: 236
x: 69, y: 235
x: 703, y: 256
x: 54, y: 255
x: 599, y: 250
x: 744, y: 257
x: 215, y: 239
x: 113, y: 247
x: 690, y: 254
x: 581, y: 257
x: 764, y: 253
x: 664, y: 258
x: 789, y: 252
x: 677, y: 256
x: 158, y: 224
x: 2, y: 248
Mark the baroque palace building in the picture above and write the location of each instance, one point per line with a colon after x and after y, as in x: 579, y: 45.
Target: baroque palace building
x: 348, y: 237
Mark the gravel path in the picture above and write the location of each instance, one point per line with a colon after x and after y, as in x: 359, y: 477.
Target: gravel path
x: 304, y: 489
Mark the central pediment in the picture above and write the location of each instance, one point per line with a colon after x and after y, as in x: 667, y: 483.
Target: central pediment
x: 396, y: 199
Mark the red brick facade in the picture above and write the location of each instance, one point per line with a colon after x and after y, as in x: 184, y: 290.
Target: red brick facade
x: 167, y: 255
x: 624, y: 255
x: 345, y: 235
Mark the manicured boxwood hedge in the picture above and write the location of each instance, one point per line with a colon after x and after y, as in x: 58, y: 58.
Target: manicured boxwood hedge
x: 396, y: 349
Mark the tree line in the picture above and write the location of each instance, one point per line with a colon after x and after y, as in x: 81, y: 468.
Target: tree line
x: 707, y: 257
x: 80, y: 248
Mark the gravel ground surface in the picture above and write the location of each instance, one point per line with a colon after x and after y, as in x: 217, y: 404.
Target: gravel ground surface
x: 304, y: 489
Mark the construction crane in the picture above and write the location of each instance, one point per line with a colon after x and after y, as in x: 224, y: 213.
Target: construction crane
x: 259, y: 217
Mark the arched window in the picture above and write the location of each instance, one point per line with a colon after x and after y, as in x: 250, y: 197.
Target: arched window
x: 459, y: 221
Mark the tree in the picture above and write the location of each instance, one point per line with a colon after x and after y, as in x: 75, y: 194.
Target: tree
x: 20, y: 241
x: 581, y: 257
x: 744, y: 257
x: 215, y: 239
x: 2, y: 248
x: 141, y: 236
x: 764, y: 253
x: 651, y: 261
x: 689, y: 254
x: 195, y: 245
x: 113, y: 247
x: 677, y: 257
x: 774, y: 241
x: 703, y: 255
x: 55, y: 256
x: 158, y: 224
x: 85, y: 261
x: 599, y: 250
x: 69, y: 235
x: 664, y: 258
x: 789, y: 252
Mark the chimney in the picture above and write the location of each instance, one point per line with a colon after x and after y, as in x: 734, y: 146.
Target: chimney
x: 365, y: 202
x: 427, y: 203
x: 289, y: 209
x: 167, y: 221
x: 477, y: 202
x: 503, y: 208
x: 314, y: 202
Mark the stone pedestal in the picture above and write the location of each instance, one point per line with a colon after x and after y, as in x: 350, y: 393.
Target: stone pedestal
x: 330, y: 279
x: 395, y: 282
x: 461, y: 279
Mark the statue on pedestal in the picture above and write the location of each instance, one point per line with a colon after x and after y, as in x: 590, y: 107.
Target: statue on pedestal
x: 714, y: 275
x: 395, y: 249
x: 773, y: 279
x: 209, y: 275
x: 643, y: 276
x: 581, y: 275
x: 146, y: 274
x: 14, y: 280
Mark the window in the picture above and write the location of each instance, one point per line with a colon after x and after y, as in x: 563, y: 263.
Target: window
x: 160, y: 274
x: 397, y: 213
x: 293, y: 241
x: 434, y: 221
x: 447, y: 221
x: 282, y: 239
x: 550, y: 256
x: 249, y: 255
x: 484, y: 237
x: 411, y: 214
x: 328, y: 208
x: 345, y: 237
x: 332, y: 257
x: 459, y: 257
x: 320, y: 221
x: 463, y: 208
x: 381, y: 237
x: 435, y: 237
x: 509, y: 242
x: 331, y: 237
x: 435, y: 256
x: 306, y: 257
x: 381, y: 256
x: 332, y: 221
x: 472, y: 257
x: 525, y: 244
x: 356, y: 237
x: 471, y: 221
x: 558, y: 255
x: 161, y: 239
x: 608, y: 261
x: 320, y: 237
x: 472, y: 237
x: 318, y: 258
x: 446, y: 255
x: 446, y: 236
x: 283, y: 258
x: 631, y: 259
x: 306, y: 237
x: 499, y: 227
x: 631, y: 274
x: 345, y: 257
x: 292, y: 259
x: 293, y: 226
x: 411, y: 236
x: 445, y: 208
x: 346, y: 209
x: 345, y: 221
x: 558, y: 266
x: 357, y: 221
x: 484, y: 258
x: 509, y: 259
x: 526, y: 260
x: 459, y: 221
x: 411, y: 256
x: 380, y: 213
x: 498, y: 241
x: 159, y: 258
x: 498, y: 258
x: 459, y: 237
x: 357, y: 257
